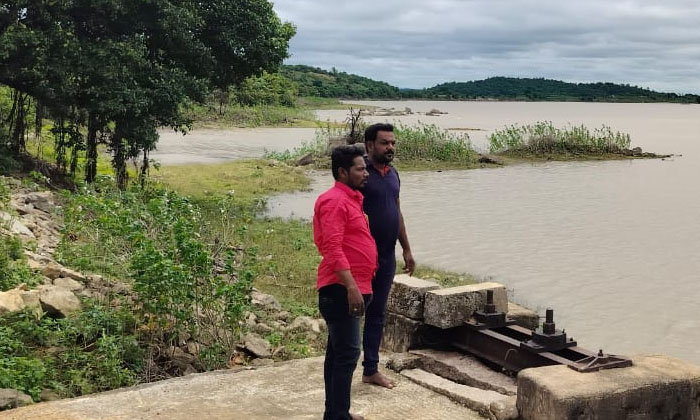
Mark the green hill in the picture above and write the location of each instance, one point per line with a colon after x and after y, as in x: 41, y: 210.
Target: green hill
x: 314, y: 81
x: 509, y: 88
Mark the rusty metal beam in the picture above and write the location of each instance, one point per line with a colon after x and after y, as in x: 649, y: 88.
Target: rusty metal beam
x: 502, y: 346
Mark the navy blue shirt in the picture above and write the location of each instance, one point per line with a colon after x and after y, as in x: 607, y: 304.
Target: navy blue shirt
x: 382, y: 208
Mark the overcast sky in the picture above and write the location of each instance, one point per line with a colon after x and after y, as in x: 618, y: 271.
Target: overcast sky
x: 415, y: 44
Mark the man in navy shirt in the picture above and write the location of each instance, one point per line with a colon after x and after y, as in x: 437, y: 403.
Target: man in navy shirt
x: 381, y: 204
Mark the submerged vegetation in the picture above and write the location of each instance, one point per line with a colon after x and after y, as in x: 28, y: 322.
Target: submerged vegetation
x: 420, y: 146
x: 545, y: 138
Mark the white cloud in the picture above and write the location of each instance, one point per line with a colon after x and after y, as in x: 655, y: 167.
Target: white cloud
x: 413, y: 43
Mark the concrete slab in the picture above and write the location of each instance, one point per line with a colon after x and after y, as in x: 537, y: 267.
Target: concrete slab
x: 450, y: 307
x: 290, y: 391
x: 523, y: 316
x: 466, y: 370
x: 402, y: 334
x: 407, y: 295
x: 474, y: 398
x: 656, y: 387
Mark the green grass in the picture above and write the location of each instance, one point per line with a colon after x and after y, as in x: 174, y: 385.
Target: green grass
x: 544, y: 138
x: 250, y: 116
x: 247, y: 180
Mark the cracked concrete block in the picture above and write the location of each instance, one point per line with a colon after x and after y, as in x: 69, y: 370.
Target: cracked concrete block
x: 656, y: 387
x: 448, y: 308
x: 466, y: 370
x: 477, y: 399
x: 407, y: 295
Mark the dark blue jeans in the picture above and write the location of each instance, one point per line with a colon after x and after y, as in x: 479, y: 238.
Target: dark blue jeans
x: 342, y: 351
x: 375, y: 313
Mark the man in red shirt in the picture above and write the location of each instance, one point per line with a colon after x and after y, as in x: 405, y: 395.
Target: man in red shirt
x: 344, y: 282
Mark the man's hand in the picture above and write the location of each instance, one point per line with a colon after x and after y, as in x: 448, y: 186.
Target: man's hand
x: 356, y: 303
x: 409, y: 263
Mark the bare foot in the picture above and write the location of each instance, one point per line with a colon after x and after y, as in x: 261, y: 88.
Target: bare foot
x: 356, y: 417
x: 379, y: 379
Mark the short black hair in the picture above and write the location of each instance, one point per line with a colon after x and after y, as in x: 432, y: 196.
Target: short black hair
x: 372, y: 130
x: 343, y: 157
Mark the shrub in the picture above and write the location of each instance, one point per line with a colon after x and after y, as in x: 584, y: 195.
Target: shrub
x: 428, y: 142
x: 544, y: 137
x: 182, y: 284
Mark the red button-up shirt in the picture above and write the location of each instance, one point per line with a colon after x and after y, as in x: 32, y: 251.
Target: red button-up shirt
x: 341, y: 234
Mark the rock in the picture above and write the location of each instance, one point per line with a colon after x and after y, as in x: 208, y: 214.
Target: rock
x: 284, y: 315
x: 305, y: 323
x: 15, y: 226
x: 49, y: 395
x: 11, y: 301
x: 505, y: 409
x: 262, y: 328
x: 523, y: 316
x: 401, y: 361
x: 490, y: 160
x: 10, y: 398
x: 193, y: 347
x: 257, y: 346
x: 54, y: 270
x: 41, y: 200
x: 262, y: 362
x: 34, y: 265
x: 68, y: 284
x: 307, y: 159
x: 407, y: 295
x: 32, y: 301
x: 58, y: 302
x: 655, y: 387
x: 188, y: 370
x: 450, y: 307
x: 179, y: 357
x: 637, y: 151
x: 251, y: 319
x: 334, y: 142
x: 264, y: 301
x: 21, y: 207
x: 67, y: 272
x: 280, y: 352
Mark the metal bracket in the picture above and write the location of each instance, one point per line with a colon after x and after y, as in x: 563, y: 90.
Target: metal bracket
x: 488, y: 318
x: 600, y: 361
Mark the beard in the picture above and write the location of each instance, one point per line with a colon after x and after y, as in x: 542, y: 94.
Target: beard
x: 384, y: 158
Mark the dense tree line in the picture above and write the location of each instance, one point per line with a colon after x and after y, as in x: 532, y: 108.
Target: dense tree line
x: 509, y: 88
x: 112, y: 71
x: 312, y: 81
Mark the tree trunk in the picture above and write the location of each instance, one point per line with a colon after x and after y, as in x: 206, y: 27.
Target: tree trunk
x: 20, y: 115
x: 144, y: 168
x: 91, y: 150
x: 119, y: 156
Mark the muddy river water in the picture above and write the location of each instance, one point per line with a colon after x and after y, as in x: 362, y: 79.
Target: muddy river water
x: 613, y: 247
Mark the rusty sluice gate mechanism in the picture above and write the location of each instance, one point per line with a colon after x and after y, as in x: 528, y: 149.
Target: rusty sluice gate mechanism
x: 494, y: 337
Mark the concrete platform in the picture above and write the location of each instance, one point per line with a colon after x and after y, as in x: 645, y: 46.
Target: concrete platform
x: 657, y: 387
x: 291, y: 390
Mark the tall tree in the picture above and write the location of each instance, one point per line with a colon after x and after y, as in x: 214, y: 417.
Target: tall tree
x: 130, y: 64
